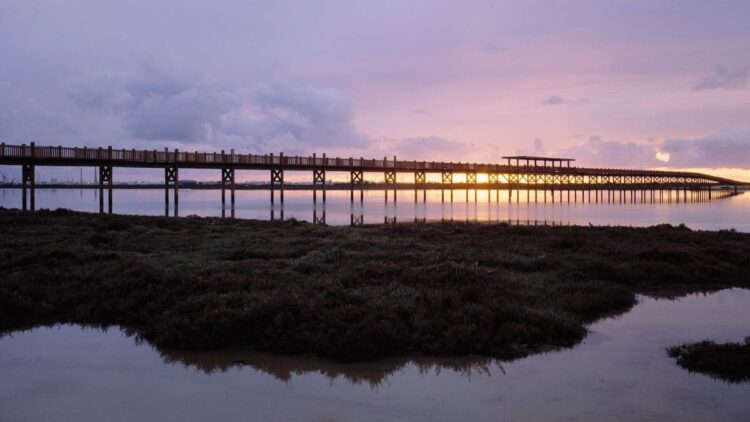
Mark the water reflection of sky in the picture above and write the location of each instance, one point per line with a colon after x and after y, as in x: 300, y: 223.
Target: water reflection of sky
x: 619, y: 372
x: 522, y: 208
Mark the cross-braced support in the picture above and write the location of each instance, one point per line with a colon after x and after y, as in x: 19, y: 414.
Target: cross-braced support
x: 493, y: 180
x: 28, y: 178
x: 447, y: 178
x: 420, y: 178
x: 356, y: 177
x: 390, y: 179
x: 227, y: 178
x: 356, y: 220
x: 277, y: 178
x: 319, y: 178
x: 319, y: 218
x: 471, y: 179
x: 105, y: 176
x: 171, y: 178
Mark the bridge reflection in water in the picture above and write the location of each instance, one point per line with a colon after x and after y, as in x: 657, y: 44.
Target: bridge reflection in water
x: 542, y: 179
x: 474, y: 208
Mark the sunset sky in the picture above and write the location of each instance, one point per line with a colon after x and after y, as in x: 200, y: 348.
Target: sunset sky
x: 610, y: 83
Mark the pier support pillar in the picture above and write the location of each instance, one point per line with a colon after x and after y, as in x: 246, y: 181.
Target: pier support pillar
x: 319, y: 178
x: 171, y: 179
x: 447, y: 177
x: 277, y: 178
x: 227, y: 178
x: 105, y: 175
x: 355, y: 177
x: 390, y: 179
x: 492, y: 181
x: 361, y: 182
x: 23, y: 187
x: 28, y: 181
x: 471, y: 179
x: 420, y: 179
x: 319, y: 218
x: 356, y: 220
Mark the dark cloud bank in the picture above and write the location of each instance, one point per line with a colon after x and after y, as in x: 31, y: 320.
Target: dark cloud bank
x: 150, y: 106
x: 154, y: 105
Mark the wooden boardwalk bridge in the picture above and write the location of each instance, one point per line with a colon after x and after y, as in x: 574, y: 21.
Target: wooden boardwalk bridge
x: 516, y: 173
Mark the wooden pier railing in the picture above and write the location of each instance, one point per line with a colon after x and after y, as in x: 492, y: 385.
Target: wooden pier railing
x: 500, y: 176
x: 74, y: 156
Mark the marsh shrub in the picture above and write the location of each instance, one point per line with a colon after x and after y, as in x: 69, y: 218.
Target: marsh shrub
x: 346, y: 292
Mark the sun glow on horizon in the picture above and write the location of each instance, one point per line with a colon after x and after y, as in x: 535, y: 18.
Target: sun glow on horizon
x: 742, y: 175
x: 662, y: 156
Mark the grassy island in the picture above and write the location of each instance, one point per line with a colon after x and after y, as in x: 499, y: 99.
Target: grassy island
x: 727, y: 361
x: 349, y: 293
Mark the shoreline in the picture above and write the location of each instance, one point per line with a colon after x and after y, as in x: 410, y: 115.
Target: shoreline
x: 348, y: 293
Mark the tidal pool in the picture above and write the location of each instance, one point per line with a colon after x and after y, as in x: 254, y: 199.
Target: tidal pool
x: 619, y: 372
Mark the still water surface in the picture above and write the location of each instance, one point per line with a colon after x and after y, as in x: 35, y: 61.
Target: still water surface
x: 523, y: 208
x: 619, y: 372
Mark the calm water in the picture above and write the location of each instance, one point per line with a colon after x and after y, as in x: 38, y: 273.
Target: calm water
x: 620, y: 372
x: 724, y: 213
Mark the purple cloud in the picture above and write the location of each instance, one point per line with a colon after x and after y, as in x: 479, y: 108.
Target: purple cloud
x: 298, y: 118
x: 726, y: 148
x: 68, y: 74
x: 724, y: 78
x: 155, y: 105
x: 600, y: 153
x: 558, y: 100
x: 554, y: 100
